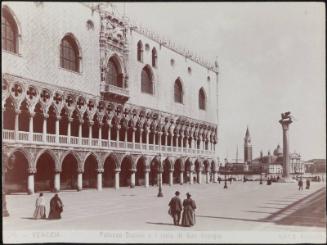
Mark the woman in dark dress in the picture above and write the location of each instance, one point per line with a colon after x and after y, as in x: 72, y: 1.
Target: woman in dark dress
x: 188, y: 218
x: 56, y: 207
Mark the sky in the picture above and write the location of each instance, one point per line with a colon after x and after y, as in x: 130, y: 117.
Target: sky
x: 271, y: 59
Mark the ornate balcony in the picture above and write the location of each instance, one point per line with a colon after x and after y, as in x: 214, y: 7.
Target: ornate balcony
x: 115, y: 93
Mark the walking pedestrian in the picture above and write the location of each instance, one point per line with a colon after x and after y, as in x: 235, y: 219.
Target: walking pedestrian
x: 39, y: 212
x: 175, y: 208
x: 219, y: 179
x: 188, y: 217
x: 300, y: 184
x: 307, y: 184
x: 56, y: 207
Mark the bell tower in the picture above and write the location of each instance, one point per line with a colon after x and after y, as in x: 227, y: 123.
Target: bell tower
x: 247, y: 147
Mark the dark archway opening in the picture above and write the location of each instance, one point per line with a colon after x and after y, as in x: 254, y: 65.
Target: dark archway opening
x: 140, y: 172
x: 16, y: 174
x: 109, y: 172
x: 125, y: 172
x: 90, y: 172
x: 45, y: 170
x: 68, y: 175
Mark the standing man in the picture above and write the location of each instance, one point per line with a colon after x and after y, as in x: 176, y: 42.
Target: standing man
x: 175, y: 205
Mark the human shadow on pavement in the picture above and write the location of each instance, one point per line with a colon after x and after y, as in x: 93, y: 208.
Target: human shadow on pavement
x: 30, y: 218
x: 159, y: 223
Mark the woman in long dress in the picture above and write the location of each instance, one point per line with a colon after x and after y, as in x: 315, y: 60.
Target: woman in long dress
x: 188, y: 218
x: 39, y: 212
x: 56, y: 207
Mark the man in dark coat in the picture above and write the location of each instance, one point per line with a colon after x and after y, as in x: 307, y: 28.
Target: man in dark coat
x: 56, y: 207
x: 175, y: 205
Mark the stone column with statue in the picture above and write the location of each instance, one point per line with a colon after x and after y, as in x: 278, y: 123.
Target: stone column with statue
x: 285, y: 121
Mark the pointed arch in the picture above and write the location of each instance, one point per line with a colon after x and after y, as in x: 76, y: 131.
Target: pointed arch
x: 115, y: 71
x: 178, y: 91
x: 95, y: 157
x: 154, y: 58
x: 51, y: 154
x: 202, y: 99
x: 147, y: 80
x: 140, y: 51
x: 11, y: 30
x: 70, y: 53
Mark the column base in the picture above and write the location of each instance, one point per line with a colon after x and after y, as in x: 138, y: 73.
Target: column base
x: 30, y: 192
x: 79, y: 189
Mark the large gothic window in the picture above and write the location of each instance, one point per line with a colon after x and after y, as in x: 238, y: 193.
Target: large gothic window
x: 9, y: 32
x: 140, y: 51
x: 178, y: 91
x: 154, y: 57
x: 202, y: 99
x: 146, y: 80
x: 69, y: 54
x: 114, y: 77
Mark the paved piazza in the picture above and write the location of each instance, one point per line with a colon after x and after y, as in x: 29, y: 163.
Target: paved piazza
x: 246, y: 207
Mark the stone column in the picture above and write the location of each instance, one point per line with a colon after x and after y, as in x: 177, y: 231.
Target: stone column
x: 17, y: 112
x: 141, y: 136
x: 91, y: 123
x: 160, y: 178
x: 117, y: 172
x: 118, y: 135
x: 199, y: 176
x: 100, y: 133
x: 171, y: 177
x: 182, y: 142
x: 44, y: 131
x: 30, y: 181
x: 191, y: 177
x: 166, y: 139
x: 285, y: 122
x: 57, y: 181
x: 69, y: 128
x: 31, y: 126
x: 80, y: 131
x: 171, y: 140
x: 80, y: 180
x: 133, y: 178
x: 147, y: 137
x: 207, y: 176
x: 133, y: 137
x: 109, y: 131
x: 125, y: 137
x: 57, y: 128
x: 181, y: 177
x: 146, y: 177
x: 159, y: 133
x: 99, y: 180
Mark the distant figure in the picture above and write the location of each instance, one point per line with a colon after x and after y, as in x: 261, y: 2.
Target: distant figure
x: 219, y: 179
x: 307, y: 184
x: 39, y: 212
x: 175, y: 209
x: 300, y: 184
x: 277, y: 178
x: 56, y: 207
x: 188, y: 218
x: 230, y: 180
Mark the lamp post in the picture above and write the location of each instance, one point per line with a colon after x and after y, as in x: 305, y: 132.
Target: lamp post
x: 261, y: 174
x: 225, y: 170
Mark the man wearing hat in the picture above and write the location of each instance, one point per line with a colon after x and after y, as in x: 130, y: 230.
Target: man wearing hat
x: 175, y: 209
